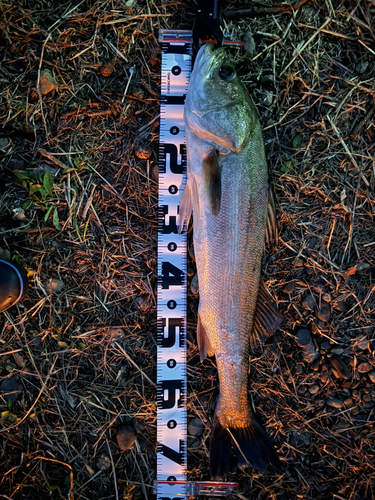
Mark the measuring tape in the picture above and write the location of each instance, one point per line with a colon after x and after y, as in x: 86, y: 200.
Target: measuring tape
x: 171, y: 481
x: 171, y: 310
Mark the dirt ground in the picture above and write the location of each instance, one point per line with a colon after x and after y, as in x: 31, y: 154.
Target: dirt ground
x: 79, y: 124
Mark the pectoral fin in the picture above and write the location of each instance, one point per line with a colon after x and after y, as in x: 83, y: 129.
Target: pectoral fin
x: 212, y: 180
x: 267, y: 317
x: 204, y: 344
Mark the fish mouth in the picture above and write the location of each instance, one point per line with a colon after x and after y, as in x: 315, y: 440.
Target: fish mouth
x: 207, y: 57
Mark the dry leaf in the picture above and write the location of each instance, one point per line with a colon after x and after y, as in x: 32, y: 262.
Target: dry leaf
x: 351, y: 271
x: 47, y: 83
x: 20, y: 362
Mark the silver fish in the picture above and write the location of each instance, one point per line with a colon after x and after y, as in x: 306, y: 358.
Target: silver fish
x: 227, y: 191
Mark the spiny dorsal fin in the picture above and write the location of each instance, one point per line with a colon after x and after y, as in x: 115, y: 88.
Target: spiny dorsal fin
x: 267, y: 318
x: 271, y: 228
x: 212, y: 180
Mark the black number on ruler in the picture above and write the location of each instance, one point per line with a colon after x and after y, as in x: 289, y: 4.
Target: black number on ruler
x: 170, y: 339
x: 175, y: 456
x: 162, y: 226
x: 174, y: 166
x: 173, y: 99
x: 168, y: 391
x: 170, y: 276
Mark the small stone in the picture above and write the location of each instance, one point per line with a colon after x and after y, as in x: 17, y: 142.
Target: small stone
x: 341, y: 306
x: 104, y: 462
x: 312, y: 243
x: 301, y: 391
x: 11, y: 388
x: 371, y: 376
x: 369, y: 405
x: 303, y: 337
x: 195, y: 427
x: 289, y: 287
x: 361, y: 67
x: 339, y: 368
x: 327, y: 297
x: 194, y: 285
x: 356, y: 394
x: 16, y: 163
x: 324, y: 312
x: 324, y: 377
x: 54, y: 283
x: 298, y: 262
x: 314, y: 389
x: 309, y: 270
x: 125, y: 437
x: 364, y: 367
x: 334, y: 403
x: 190, y: 271
x: 354, y: 411
x: 315, y: 364
x: 338, y: 351
x: 47, y: 83
x: 299, y: 368
x: 325, y: 345
x: 111, y: 449
x: 308, y: 303
x: 348, y: 401
x: 4, y: 142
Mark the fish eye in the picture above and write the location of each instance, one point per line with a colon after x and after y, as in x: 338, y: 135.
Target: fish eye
x: 227, y: 73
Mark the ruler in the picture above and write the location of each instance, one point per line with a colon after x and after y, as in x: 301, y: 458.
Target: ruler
x: 171, y: 483
x: 176, y: 49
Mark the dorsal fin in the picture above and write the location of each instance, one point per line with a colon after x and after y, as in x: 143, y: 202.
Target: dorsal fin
x: 212, y: 180
x: 271, y: 228
x: 267, y: 318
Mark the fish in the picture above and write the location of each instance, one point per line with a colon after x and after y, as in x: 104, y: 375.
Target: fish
x: 227, y: 193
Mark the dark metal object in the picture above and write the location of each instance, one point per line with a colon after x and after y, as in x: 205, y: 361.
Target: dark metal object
x: 207, y: 22
x: 13, y: 284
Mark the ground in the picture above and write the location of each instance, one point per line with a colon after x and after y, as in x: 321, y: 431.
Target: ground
x: 79, y: 116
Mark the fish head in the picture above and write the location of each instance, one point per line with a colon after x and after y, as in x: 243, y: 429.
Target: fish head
x: 218, y: 107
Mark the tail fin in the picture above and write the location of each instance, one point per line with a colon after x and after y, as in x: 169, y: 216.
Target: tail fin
x: 252, y: 446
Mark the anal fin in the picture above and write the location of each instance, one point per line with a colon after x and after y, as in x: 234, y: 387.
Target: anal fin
x: 267, y: 318
x: 204, y: 344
